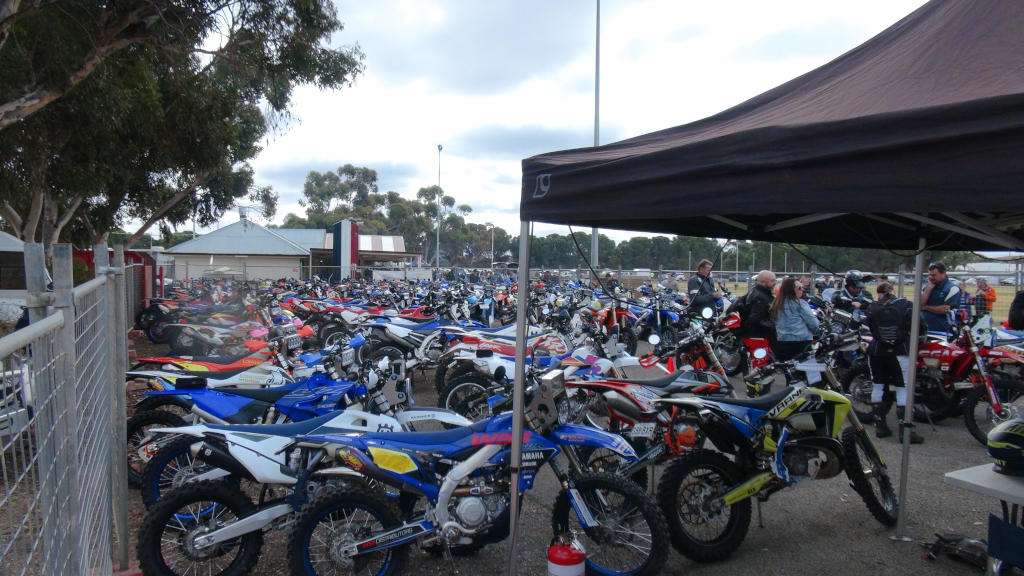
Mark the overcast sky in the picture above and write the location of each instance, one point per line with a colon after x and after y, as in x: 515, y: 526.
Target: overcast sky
x: 500, y: 80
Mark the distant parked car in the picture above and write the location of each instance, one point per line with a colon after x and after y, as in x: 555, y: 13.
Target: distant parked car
x: 1007, y: 281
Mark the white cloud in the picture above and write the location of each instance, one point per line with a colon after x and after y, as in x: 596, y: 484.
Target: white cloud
x: 478, y: 74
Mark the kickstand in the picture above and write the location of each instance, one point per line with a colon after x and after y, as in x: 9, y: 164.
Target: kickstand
x: 928, y: 416
x: 760, y: 517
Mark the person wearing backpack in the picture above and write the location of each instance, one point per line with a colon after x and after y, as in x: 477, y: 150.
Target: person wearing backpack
x: 888, y: 318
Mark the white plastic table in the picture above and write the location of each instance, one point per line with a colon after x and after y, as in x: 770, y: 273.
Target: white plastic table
x: 1009, y: 490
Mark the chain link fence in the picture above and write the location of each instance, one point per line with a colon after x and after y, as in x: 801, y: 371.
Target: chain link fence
x: 62, y: 462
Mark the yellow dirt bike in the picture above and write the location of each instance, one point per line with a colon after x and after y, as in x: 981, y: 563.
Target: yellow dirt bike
x: 806, y: 431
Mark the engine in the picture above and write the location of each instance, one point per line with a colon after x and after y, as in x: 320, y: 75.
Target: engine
x: 811, y: 462
x: 477, y: 512
x: 476, y: 505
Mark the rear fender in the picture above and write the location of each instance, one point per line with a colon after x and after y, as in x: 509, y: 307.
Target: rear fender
x: 154, y: 400
x: 574, y: 435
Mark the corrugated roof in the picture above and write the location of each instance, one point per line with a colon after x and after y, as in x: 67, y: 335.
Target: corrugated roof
x: 308, y: 238
x: 375, y: 243
x: 9, y: 243
x: 243, y: 237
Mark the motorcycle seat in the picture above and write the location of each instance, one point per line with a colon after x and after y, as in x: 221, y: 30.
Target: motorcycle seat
x: 268, y: 395
x: 218, y: 359
x: 662, y: 382
x: 761, y: 402
x: 291, y: 429
x: 429, y: 438
x: 226, y: 374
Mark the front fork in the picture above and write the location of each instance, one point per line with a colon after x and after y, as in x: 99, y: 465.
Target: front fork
x: 986, y: 378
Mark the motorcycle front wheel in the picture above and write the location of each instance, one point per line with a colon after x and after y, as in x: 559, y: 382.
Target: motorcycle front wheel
x: 869, y: 476
x: 138, y: 428
x: 467, y: 395
x: 980, y: 418
x: 687, y: 493
x: 630, y: 537
x: 167, y: 536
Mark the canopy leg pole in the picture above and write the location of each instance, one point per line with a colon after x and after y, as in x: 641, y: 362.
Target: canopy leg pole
x: 518, y: 408
x: 908, y: 413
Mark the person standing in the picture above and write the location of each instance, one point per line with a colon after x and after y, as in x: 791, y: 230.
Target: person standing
x: 853, y: 295
x: 757, y: 318
x: 701, y: 287
x: 888, y: 318
x: 939, y: 298
x: 795, y: 322
x: 984, y: 298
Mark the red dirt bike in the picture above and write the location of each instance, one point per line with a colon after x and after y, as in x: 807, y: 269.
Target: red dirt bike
x: 750, y: 357
x: 961, y: 376
x: 631, y: 408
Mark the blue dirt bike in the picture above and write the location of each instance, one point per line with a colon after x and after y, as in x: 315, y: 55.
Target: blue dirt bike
x: 455, y: 497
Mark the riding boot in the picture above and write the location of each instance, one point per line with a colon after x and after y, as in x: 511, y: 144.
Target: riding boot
x: 881, y: 414
x: 915, y: 438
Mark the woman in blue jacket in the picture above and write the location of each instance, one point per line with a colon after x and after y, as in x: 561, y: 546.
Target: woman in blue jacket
x: 795, y: 322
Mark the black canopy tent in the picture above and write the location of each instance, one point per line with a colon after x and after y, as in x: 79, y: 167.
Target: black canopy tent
x: 912, y: 140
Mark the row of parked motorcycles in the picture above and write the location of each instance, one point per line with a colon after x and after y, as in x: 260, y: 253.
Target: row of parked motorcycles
x: 299, y: 416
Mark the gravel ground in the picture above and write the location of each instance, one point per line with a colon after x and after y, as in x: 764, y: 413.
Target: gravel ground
x: 816, y: 527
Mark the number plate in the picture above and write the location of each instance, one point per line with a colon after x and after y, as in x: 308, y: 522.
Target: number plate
x: 293, y: 342
x: 348, y: 356
x: 642, y: 430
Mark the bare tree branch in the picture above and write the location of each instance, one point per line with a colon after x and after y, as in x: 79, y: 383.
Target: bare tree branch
x: 68, y: 215
x: 12, y: 217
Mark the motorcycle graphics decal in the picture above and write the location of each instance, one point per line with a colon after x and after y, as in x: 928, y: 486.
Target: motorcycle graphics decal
x: 349, y: 458
x: 501, y: 438
x: 393, y: 461
x: 792, y: 400
x: 394, y: 537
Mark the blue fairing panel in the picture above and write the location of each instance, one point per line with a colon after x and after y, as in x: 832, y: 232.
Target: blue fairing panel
x: 576, y: 435
x: 747, y: 420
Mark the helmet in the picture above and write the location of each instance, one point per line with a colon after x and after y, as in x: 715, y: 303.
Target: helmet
x: 854, y: 279
x: 472, y: 300
x: 1006, y: 447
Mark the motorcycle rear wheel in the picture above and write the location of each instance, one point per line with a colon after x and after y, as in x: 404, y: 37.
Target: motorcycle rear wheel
x: 335, y: 513
x: 463, y: 391
x: 873, y: 484
x: 137, y: 426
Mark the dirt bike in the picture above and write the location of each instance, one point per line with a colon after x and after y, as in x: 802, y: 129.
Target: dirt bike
x: 462, y: 474
x: 767, y: 444
x: 965, y: 376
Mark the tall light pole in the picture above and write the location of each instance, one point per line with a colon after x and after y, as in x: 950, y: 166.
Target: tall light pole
x: 597, y: 120
x: 437, y: 246
x: 491, y: 226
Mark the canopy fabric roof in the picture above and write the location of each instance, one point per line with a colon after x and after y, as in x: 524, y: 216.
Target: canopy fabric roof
x: 917, y: 132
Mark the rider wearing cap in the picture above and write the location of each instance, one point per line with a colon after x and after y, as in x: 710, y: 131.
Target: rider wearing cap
x: 853, y: 295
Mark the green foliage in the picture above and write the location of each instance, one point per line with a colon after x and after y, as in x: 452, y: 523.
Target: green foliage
x: 163, y: 125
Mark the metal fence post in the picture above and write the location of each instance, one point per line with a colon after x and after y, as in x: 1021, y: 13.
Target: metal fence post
x: 47, y: 415
x: 64, y: 302
x: 118, y: 293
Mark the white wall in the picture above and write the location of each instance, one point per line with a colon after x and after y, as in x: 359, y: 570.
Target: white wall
x: 255, y: 267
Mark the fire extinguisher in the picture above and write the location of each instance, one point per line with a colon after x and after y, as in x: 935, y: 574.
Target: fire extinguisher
x: 566, y: 558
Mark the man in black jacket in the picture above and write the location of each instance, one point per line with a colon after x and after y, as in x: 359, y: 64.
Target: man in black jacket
x: 701, y: 287
x: 888, y: 318
x: 757, y: 322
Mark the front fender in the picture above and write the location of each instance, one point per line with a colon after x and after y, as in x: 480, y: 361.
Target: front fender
x: 575, y: 435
